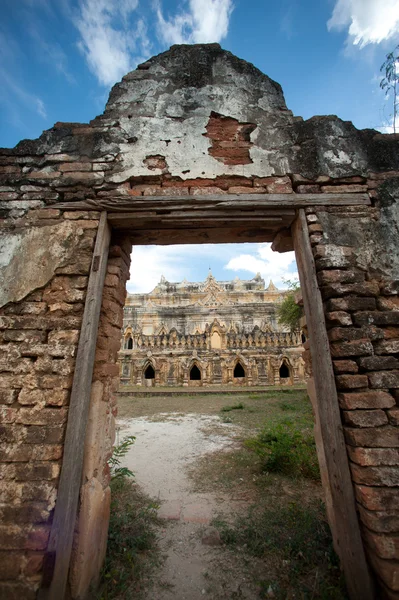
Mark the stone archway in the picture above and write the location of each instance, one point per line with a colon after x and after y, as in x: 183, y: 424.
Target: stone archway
x: 319, y: 186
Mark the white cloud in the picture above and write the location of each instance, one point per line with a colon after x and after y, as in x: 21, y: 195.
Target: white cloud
x: 271, y: 265
x: 110, y: 42
x: 204, y: 21
x: 368, y: 21
x: 193, y: 262
x: 190, y: 261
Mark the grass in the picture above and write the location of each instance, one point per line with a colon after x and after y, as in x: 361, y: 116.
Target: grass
x: 295, y: 542
x: 281, y: 538
x: 286, y: 448
x: 132, y: 552
x: 238, y: 406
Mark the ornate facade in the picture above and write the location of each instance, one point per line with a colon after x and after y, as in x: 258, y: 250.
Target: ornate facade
x: 211, y: 332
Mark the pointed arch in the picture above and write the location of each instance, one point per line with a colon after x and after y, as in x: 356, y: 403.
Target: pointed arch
x: 195, y: 373
x: 239, y: 371
x: 285, y: 369
x: 149, y: 372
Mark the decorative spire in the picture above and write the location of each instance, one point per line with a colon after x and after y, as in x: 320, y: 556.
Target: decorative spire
x: 271, y: 287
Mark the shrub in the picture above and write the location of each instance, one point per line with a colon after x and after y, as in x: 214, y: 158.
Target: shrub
x: 285, y: 449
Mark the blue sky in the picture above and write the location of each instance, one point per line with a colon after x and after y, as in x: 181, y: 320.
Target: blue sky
x: 59, y: 59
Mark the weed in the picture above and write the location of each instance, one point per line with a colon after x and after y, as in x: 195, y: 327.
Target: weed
x: 131, y: 549
x: 238, y: 406
x: 119, y: 451
x: 227, y: 419
x: 287, y: 406
x: 299, y: 538
x: 286, y: 449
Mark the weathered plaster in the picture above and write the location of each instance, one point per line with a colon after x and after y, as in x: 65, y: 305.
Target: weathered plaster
x: 29, y: 258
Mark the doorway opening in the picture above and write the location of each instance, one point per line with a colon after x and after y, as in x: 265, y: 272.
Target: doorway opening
x: 239, y: 371
x: 149, y: 373
x: 195, y: 373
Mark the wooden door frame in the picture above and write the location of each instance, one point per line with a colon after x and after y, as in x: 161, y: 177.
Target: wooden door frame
x: 263, y: 217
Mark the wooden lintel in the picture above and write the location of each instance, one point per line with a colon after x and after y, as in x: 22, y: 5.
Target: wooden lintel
x: 336, y: 477
x: 189, y: 235
x: 207, y: 202
x: 62, y: 530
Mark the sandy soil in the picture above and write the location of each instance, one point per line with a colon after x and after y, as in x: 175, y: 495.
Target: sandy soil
x: 196, y: 565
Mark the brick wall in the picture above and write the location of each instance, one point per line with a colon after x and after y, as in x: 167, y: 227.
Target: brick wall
x: 361, y: 305
x: 38, y: 343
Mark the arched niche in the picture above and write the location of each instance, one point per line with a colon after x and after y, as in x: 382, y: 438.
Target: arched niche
x: 285, y: 372
x: 149, y: 372
x: 195, y: 374
x: 216, y: 341
x: 239, y: 371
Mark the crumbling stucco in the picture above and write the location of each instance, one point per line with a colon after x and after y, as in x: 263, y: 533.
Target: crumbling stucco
x: 30, y: 257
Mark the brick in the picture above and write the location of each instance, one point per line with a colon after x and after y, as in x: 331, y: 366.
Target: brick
x: 43, y: 416
x: 36, y: 471
x: 339, y: 318
x: 344, y: 189
x: 346, y: 334
x: 388, y: 571
x: 75, y: 166
x: 377, y: 363
x: 380, y: 521
x: 38, y: 491
x: 308, y: 189
x: 393, y: 416
x: 351, y: 303
x: 206, y: 191
x: 339, y: 275
x: 7, y: 414
x: 367, y: 400
x: 375, y: 476
x: 26, y: 452
x: 376, y: 318
x: 373, y: 437
x: 371, y: 457
x: 390, y: 304
x: 355, y: 348
x: 377, y: 498
x: 8, y: 396
x: 29, y: 397
x: 390, y: 333
x: 345, y: 366
x: 387, y: 347
x: 38, y: 434
x: 26, y: 513
x: 366, y: 288
x: 329, y: 256
x: 17, y: 591
x: 10, y: 564
x: 347, y: 382
x: 365, y: 418
x: 384, y: 379
x: 386, y: 546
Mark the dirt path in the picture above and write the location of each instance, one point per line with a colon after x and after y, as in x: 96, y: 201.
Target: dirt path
x: 196, y: 565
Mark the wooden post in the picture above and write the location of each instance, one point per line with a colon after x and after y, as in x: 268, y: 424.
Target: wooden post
x: 336, y: 479
x: 56, y: 566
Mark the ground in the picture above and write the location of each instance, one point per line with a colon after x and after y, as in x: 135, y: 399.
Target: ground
x: 224, y: 527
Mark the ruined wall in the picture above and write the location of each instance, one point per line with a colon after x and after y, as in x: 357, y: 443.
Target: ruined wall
x: 194, y: 120
x: 45, y: 267
x: 357, y: 267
